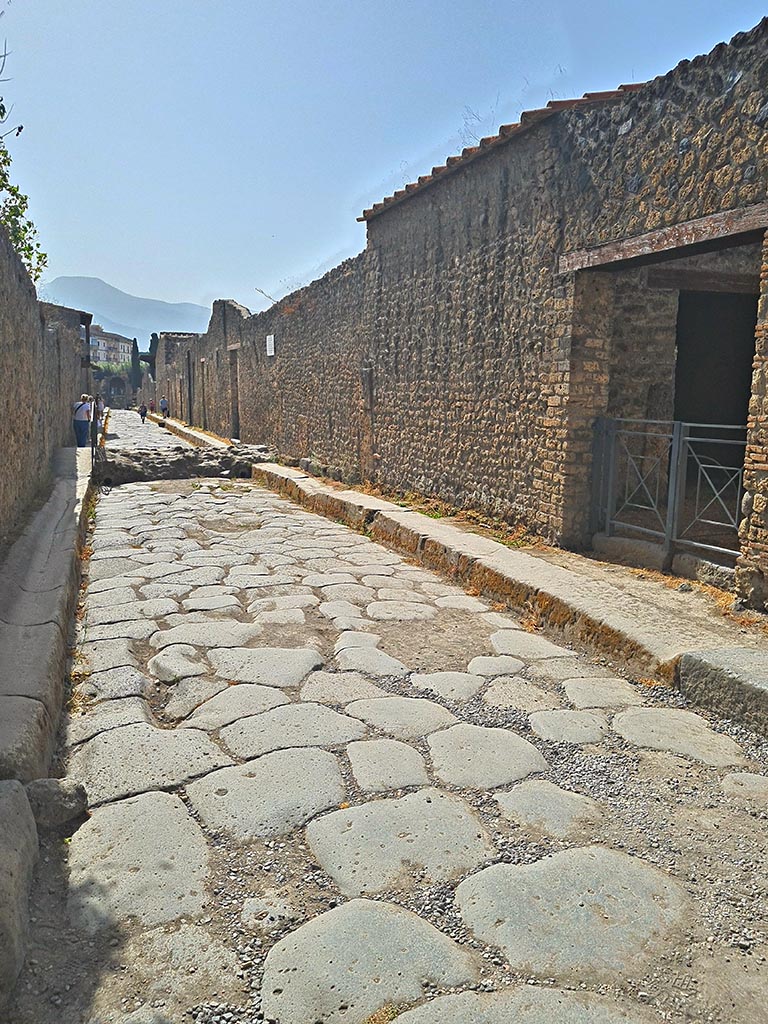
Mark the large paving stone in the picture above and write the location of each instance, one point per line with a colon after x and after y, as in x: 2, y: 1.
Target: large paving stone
x: 462, y: 602
x: 188, y: 694
x: 399, y: 611
x: 137, y: 758
x: 133, y: 630
x: 352, y: 961
x: 115, y: 683
x: 156, y: 609
x: 295, y: 725
x: 589, y: 913
x: 103, y: 655
x: 747, y: 785
x: 234, y: 703
x: 270, y: 666
x: 109, y: 714
x: 382, y: 845
x: 541, y: 807
x: 339, y: 688
x: 371, y: 662
x: 208, y: 634
x: 176, y: 662
x: 194, y: 963
x: 601, y: 693
x: 529, y: 646
x: 516, y: 692
x: 142, y: 860
x: 569, y: 726
x: 269, y: 796
x: 527, y: 1005
x: 381, y: 765
x: 475, y: 757
x: 501, y: 666
x: 681, y: 732
x: 18, y: 855
x: 453, y: 685
x: 402, y: 717
x: 355, y: 593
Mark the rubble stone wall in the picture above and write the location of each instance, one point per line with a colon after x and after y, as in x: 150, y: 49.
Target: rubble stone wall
x: 453, y: 357
x: 40, y: 369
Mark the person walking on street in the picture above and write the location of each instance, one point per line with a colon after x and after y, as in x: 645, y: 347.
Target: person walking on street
x: 81, y: 418
x: 151, y: 405
x: 143, y: 412
x: 164, y: 406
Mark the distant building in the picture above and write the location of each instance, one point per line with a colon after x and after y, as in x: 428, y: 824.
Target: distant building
x: 109, y: 348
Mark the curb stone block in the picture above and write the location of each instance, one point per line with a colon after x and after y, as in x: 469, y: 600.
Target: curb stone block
x: 18, y: 855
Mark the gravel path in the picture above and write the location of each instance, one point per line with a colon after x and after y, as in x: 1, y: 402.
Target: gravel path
x: 328, y: 786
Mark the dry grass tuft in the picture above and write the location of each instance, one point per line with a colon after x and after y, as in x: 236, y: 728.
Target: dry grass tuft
x: 383, y: 1016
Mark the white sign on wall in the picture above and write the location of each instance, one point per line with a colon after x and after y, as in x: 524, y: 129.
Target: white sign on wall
x: 270, y: 344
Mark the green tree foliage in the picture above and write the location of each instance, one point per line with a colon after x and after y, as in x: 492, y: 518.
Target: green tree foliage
x: 14, y: 204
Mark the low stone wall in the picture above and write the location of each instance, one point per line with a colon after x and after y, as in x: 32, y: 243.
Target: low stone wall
x: 40, y: 367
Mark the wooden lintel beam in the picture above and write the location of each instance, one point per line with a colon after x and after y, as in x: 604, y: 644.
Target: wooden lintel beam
x: 677, y: 236
x: 671, y: 279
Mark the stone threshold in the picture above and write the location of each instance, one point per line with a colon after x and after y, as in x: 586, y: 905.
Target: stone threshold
x: 593, y: 613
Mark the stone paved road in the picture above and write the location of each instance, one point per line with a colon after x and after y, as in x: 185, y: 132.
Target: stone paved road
x: 328, y: 786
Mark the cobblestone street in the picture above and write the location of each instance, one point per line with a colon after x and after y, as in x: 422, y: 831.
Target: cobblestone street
x: 328, y: 786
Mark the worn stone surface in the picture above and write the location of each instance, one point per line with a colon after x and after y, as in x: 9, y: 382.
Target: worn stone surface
x: 25, y: 738
x: 339, y: 688
x: 541, y: 807
x: 350, y: 962
x: 681, y: 732
x: 402, y: 717
x: 151, y: 837
x: 399, y: 611
x: 109, y: 714
x: 520, y: 644
x: 295, y: 725
x: 747, y: 785
x: 453, y: 685
x: 151, y: 758
x: 232, y: 704
x: 270, y: 666
x: 208, y: 634
x: 178, y: 661
x: 585, y: 913
x: 516, y: 692
x: 503, y: 665
x: 18, y: 854
x: 189, y: 694
x: 381, y: 765
x: 601, y: 693
x: 476, y: 757
x: 383, y: 845
x: 569, y: 726
x: 371, y: 662
x: 269, y: 796
x: 194, y: 964
x: 527, y: 1005
x: 115, y: 683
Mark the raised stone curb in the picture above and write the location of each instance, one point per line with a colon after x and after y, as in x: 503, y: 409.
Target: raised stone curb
x: 582, y: 609
x: 18, y: 854
x: 196, y: 437
x: 38, y: 589
x: 731, y: 681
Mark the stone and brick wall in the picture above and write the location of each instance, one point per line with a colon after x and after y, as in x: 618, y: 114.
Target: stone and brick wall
x: 453, y: 357
x: 40, y: 369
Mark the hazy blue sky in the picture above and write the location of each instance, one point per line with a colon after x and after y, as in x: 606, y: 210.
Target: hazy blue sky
x: 194, y: 149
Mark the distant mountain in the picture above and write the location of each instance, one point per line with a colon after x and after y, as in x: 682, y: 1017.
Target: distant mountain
x: 120, y: 313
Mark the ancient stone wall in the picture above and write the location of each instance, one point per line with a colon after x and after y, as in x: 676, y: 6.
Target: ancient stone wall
x: 40, y: 352
x: 453, y: 356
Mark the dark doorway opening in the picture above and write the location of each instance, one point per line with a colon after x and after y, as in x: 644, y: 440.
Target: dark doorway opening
x: 715, y: 351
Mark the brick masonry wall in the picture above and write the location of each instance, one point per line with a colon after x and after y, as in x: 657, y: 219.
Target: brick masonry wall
x: 40, y: 369
x: 452, y: 357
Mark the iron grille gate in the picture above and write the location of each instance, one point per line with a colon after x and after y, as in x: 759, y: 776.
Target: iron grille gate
x: 680, y: 483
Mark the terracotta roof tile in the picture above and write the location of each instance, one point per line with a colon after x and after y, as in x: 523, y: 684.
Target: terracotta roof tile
x: 527, y: 119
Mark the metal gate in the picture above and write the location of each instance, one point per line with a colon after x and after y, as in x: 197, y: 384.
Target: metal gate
x: 678, y: 483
